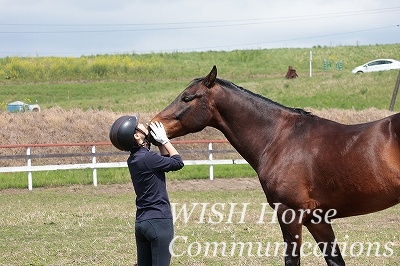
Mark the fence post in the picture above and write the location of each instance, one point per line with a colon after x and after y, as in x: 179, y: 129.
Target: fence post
x: 310, y: 64
x: 29, y: 163
x: 210, y: 157
x: 94, y: 169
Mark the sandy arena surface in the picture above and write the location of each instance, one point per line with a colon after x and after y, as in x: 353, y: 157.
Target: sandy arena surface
x: 172, y: 185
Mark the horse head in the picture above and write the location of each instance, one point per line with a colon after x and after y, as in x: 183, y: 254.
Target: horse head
x: 192, y: 110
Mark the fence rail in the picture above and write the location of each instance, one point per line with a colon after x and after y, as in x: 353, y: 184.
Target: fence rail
x: 94, y: 165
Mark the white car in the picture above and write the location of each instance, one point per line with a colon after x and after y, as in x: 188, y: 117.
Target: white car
x: 377, y: 65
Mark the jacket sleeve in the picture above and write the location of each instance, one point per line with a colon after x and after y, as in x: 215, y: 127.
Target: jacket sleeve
x: 159, y: 163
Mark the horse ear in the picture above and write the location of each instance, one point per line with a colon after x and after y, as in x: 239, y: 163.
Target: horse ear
x: 210, y: 78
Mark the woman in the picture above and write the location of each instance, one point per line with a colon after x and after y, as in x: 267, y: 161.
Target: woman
x: 154, y: 226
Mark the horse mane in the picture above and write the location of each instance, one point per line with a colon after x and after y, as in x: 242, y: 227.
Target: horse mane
x: 231, y: 85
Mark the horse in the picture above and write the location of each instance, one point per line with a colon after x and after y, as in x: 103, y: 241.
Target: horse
x: 307, y: 166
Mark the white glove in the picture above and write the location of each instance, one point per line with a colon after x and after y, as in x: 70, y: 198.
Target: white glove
x: 158, y: 132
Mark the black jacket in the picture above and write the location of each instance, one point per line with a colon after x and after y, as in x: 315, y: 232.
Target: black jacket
x: 147, y: 169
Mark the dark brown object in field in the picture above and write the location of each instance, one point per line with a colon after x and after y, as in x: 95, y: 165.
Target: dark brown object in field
x: 291, y: 73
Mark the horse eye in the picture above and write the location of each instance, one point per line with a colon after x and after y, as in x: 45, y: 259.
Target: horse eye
x: 187, y: 99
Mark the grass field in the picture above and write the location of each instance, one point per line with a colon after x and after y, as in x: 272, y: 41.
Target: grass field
x: 148, y: 83
x: 84, y: 225
x: 115, y: 176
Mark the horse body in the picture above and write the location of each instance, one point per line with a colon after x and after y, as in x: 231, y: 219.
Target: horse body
x: 342, y: 168
x: 303, y: 162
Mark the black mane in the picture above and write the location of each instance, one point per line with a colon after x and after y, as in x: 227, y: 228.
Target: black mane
x: 231, y: 85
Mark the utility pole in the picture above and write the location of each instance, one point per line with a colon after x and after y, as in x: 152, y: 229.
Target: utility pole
x: 396, y: 89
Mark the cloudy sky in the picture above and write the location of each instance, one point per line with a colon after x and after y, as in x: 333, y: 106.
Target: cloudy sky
x: 89, y: 27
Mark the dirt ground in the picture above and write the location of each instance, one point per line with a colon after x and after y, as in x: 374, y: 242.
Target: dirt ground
x: 188, y: 185
x: 195, y: 185
x: 215, y: 184
x: 198, y: 185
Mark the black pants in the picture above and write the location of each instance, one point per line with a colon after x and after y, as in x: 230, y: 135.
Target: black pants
x: 152, y: 242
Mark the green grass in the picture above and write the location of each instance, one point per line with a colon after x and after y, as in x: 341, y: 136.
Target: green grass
x: 148, y: 83
x: 115, y: 176
x: 150, y: 67
x: 344, y: 91
x: 84, y: 225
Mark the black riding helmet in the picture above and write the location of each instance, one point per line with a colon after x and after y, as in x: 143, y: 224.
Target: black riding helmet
x: 122, y: 130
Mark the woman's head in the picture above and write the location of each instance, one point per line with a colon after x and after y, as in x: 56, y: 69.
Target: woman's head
x: 126, y: 133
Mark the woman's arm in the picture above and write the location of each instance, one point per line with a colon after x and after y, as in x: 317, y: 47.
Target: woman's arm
x: 167, y: 149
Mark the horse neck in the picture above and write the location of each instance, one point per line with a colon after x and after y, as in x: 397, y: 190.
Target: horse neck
x: 249, y: 123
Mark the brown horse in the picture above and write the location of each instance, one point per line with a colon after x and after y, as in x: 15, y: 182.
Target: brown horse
x: 306, y: 165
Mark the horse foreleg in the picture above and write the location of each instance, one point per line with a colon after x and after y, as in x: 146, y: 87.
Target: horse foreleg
x: 325, y: 237
x: 292, y: 237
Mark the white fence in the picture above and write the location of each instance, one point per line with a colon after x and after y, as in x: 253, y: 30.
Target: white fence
x: 94, y: 165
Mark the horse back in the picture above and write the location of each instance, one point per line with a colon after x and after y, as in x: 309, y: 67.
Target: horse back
x: 366, y: 170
